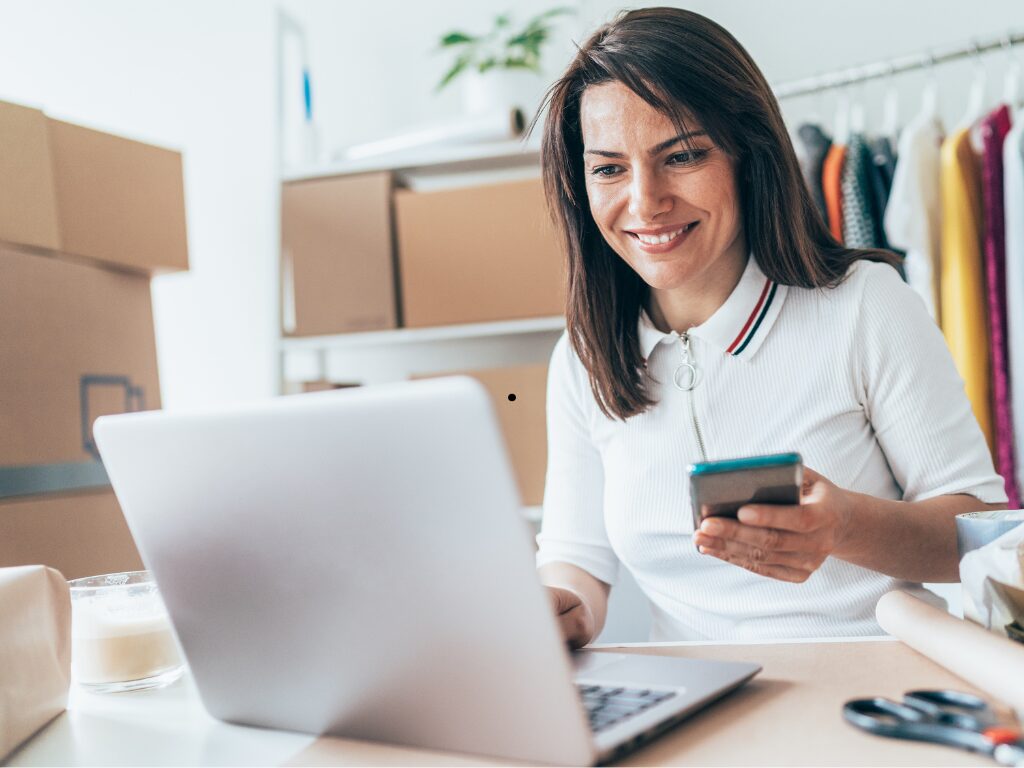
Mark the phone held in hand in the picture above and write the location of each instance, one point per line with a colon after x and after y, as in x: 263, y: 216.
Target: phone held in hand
x: 720, y: 488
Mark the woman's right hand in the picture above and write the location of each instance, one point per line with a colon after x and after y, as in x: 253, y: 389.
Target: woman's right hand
x: 575, y: 618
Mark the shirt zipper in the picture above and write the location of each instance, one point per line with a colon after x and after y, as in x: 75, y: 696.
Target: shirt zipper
x: 685, y: 378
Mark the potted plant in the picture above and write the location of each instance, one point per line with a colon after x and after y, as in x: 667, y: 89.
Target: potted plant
x: 488, y: 64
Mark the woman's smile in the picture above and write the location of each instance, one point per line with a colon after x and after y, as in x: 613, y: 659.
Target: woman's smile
x: 663, y: 239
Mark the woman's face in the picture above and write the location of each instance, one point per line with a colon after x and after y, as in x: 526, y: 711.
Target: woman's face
x: 667, y: 206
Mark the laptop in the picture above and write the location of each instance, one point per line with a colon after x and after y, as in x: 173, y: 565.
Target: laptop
x: 355, y: 563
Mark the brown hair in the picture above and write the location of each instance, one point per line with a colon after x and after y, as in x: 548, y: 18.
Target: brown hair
x: 680, y: 63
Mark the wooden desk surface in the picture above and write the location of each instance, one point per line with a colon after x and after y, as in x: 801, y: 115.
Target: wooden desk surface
x: 787, y: 715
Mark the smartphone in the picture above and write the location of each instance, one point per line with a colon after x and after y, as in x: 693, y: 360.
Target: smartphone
x: 720, y: 488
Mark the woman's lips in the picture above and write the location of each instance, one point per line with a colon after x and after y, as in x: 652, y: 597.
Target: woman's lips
x: 660, y: 247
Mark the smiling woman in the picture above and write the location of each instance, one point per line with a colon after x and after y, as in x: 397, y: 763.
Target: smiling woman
x: 692, y: 244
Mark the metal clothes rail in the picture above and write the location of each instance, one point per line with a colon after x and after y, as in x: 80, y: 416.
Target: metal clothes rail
x: 894, y: 66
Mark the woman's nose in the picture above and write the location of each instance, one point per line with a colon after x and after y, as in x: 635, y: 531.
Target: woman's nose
x: 648, y: 197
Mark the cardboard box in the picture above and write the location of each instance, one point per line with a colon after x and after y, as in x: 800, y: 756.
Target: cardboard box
x: 519, y: 394
x: 478, y: 254
x: 76, y: 342
x: 338, y: 270
x: 90, y: 194
x: 79, y: 534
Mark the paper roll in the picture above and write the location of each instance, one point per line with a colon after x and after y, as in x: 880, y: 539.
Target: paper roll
x: 983, y: 659
x: 498, y: 125
x: 976, y: 529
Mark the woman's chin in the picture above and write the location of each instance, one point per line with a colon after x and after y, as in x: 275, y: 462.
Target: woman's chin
x: 664, y: 279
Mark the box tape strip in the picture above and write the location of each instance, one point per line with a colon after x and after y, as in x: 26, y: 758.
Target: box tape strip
x: 51, y: 478
x: 976, y: 529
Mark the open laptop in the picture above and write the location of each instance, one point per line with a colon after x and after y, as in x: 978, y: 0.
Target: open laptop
x: 355, y: 563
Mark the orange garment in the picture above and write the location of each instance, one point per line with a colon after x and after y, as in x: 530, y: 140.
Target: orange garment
x: 831, y: 176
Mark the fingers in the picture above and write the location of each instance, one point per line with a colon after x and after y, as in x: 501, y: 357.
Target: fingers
x: 773, y: 571
x: 563, y: 600
x: 755, y: 536
x: 802, y: 518
x: 758, y: 560
x: 574, y: 618
x: 575, y: 626
x: 772, y: 552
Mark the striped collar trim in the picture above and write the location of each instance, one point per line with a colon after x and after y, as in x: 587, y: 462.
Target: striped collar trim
x: 740, y: 325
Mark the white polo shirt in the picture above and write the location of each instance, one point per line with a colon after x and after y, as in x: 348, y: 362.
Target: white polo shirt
x: 857, y: 379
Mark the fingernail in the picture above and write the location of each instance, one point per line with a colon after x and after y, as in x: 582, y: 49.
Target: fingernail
x: 712, y: 527
x: 747, y: 515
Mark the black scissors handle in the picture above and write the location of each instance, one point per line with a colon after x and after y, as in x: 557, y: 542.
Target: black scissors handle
x: 894, y: 720
x: 962, y: 710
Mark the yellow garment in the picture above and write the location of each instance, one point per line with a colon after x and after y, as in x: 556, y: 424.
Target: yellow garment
x: 962, y: 285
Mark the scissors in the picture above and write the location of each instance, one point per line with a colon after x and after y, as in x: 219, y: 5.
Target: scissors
x: 941, y: 717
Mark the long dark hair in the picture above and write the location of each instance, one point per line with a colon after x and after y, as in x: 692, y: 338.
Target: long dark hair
x: 680, y: 63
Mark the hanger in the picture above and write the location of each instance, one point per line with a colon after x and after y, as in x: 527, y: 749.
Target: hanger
x: 976, y: 96
x: 930, y: 93
x: 891, y: 108
x: 858, y: 118
x: 1012, y: 94
x: 841, y: 123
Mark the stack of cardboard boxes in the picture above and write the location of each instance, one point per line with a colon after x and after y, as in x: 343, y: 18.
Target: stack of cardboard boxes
x: 360, y: 255
x: 85, y: 219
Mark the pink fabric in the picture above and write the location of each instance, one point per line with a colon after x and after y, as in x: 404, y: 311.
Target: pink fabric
x: 993, y: 132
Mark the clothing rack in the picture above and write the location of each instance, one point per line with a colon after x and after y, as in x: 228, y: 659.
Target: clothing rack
x: 895, y: 66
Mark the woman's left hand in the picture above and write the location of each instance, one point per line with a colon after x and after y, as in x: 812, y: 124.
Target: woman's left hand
x: 780, y: 541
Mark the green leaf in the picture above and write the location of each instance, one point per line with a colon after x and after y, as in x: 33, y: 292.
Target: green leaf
x: 502, y: 21
x: 460, y: 64
x: 521, y: 63
x: 456, y: 38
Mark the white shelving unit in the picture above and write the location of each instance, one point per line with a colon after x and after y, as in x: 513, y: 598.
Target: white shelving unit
x: 432, y: 160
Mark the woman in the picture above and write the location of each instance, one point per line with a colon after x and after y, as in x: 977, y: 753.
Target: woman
x: 692, y: 238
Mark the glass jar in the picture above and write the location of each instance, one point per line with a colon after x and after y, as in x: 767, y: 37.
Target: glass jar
x: 121, y: 637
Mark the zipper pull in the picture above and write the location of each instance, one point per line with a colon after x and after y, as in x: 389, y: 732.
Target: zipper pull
x: 686, y: 373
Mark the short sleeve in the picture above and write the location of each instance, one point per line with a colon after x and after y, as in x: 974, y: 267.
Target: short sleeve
x: 915, y: 398
x: 572, y: 529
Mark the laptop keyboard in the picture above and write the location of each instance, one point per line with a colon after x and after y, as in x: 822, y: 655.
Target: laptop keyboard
x: 607, y: 706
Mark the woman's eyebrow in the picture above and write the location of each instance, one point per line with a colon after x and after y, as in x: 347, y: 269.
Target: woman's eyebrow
x: 653, y: 150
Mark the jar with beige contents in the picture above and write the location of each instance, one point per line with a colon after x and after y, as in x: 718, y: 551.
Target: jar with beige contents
x: 121, y: 637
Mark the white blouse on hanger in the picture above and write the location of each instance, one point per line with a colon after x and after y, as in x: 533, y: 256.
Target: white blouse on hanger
x: 913, y: 215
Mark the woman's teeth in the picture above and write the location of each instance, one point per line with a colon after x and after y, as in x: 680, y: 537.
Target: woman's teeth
x: 663, y: 238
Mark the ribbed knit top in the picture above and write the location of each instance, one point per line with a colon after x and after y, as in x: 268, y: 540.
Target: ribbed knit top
x: 856, y: 378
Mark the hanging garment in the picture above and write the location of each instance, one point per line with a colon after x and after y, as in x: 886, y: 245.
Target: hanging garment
x: 913, y: 215
x: 814, y: 144
x: 860, y: 219
x: 962, y: 280
x: 831, y: 186
x: 993, y: 133
x: 1013, y: 206
x: 883, y: 166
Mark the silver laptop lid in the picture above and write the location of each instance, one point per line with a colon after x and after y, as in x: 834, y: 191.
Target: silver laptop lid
x: 353, y: 563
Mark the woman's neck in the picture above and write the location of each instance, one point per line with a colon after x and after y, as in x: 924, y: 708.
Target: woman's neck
x: 679, y: 309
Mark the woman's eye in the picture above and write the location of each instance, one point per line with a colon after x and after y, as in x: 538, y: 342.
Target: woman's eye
x: 605, y: 170
x: 687, y: 158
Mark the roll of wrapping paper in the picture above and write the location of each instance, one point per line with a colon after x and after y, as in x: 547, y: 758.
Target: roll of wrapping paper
x: 496, y: 125
x: 989, y: 662
x: 976, y: 529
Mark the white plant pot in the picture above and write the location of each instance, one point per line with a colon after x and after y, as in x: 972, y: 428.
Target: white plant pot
x: 500, y: 90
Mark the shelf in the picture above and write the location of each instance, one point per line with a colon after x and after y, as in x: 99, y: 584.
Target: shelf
x: 432, y: 160
x: 424, y: 335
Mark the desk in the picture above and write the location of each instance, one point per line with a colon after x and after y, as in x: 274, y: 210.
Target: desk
x: 787, y: 715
